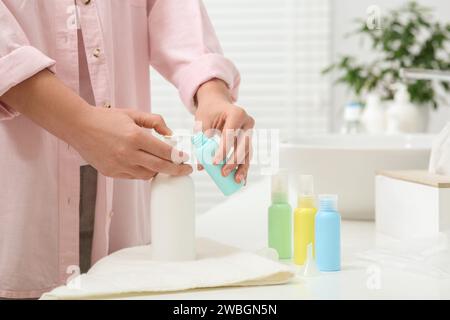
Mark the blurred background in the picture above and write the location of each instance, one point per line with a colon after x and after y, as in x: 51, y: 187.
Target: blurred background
x: 282, y: 48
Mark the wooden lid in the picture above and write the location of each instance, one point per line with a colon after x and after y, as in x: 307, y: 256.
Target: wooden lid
x: 419, y: 176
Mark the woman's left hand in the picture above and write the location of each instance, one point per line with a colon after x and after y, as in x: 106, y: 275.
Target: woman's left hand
x: 215, y: 111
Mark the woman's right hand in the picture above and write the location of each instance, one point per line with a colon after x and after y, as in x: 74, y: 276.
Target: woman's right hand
x: 116, y: 142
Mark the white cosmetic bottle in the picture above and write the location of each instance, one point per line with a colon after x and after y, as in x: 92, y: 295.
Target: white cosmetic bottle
x: 374, y: 115
x: 172, y: 209
x: 403, y: 116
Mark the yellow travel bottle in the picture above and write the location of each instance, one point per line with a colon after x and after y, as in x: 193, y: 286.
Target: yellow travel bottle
x: 304, y: 216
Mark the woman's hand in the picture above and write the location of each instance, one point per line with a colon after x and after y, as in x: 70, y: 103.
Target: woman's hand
x: 216, y: 111
x: 116, y: 143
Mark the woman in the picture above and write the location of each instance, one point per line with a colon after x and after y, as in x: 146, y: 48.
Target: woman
x: 63, y: 64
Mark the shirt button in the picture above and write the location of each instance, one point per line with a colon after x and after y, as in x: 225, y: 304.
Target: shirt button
x: 107, y: 105
x: 96, y: 53
x: 86, y: 2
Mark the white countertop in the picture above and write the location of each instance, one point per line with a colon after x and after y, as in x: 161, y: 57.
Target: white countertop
x: 242, y: 222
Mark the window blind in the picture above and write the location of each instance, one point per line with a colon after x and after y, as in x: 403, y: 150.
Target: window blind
x: 280, y: 47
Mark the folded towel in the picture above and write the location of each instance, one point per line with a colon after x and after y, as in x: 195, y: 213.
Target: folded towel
x: 131, y: 271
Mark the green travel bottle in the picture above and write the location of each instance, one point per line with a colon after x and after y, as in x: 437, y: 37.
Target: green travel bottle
x: 280, y: 216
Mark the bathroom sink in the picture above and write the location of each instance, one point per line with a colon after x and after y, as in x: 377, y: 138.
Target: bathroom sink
x: 346, y: 164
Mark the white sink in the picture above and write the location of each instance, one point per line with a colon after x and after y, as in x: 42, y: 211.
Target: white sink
x: 346, y: 165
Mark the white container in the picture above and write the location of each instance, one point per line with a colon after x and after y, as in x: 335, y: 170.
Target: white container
x: 352, y: 119
x: 172, y: 205
x: 374, y: 115
x: 412, y: 204
x: 405, y: 117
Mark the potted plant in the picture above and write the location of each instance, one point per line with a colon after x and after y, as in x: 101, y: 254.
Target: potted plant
x: 408, y: 37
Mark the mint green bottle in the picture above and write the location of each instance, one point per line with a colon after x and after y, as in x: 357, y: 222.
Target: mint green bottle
x: 205, y: 148
x: 280, y: 216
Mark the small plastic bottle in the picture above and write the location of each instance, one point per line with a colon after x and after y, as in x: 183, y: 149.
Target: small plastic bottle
x: 328, y: 234
x: 352, y: 118
x: 205, y: 149
x: 280, y: 217
x: 374, y: 115
x: 304, y: 216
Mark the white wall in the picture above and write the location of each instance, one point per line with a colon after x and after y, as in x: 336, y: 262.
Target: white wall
x: 343, y: 14
x: 280, y: 47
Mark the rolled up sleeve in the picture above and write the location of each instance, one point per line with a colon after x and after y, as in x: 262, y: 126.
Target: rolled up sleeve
x: 185, y: 49
x: 18, y: 59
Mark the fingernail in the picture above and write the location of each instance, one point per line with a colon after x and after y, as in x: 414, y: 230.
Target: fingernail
x: 225, y: 172
x: 238, y: 178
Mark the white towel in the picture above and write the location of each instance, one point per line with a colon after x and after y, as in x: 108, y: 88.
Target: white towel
x: 440, y: 153
x: 131, y: 271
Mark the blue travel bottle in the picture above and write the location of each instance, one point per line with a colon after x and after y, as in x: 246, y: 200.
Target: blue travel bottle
x: 205, y: 148
x: 328, y: 234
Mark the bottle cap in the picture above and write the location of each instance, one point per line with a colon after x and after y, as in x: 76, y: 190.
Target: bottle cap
x: 328, y: 202
x: 305, y: 185
x: 305, y: 191
x: 280, y: 186
x: 199, y: 139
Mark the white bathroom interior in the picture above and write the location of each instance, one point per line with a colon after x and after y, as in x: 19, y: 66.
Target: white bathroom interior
x: 372, y: 148
x: 281, y: 49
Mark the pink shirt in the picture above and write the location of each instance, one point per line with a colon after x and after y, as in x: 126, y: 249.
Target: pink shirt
x: 39, y: 173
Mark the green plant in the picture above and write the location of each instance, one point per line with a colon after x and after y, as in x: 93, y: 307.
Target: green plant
x: 407, y: 38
